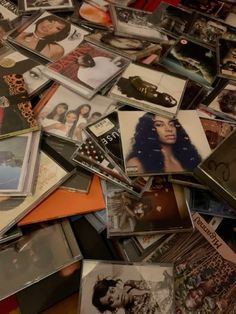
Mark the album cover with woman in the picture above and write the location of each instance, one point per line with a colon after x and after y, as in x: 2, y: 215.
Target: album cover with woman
x: 89, y: 15
x: 224, y: 102
x: 47, y: 35
x: 109, y: 286
x: 131, y: 48
x: 13, y: 61
x: 134, y: 23
x: 193, y: 60
x: 49, y: 5
x: 150, y: 90
x: 153, y: 144
x: 161, y: 209
x: 226, y: 58
x: 67, y: 118
x: 87, y: 68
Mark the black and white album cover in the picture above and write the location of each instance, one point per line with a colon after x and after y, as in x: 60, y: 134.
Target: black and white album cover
x: 55, y: 5
x: 148, y: 89
x: 195, y: 61
x: 224, y: 103
x: 126, y: 288
x: 8, y: 10
x: 171, y: 18
x: 134, y: 23
x: 47, y: 35
x: 227, y: 58
x: 64, y: 113
x: 153, y: 144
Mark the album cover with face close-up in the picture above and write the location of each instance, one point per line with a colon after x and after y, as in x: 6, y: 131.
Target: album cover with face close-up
x: 153, y: 144
x: 87, y: 69
x: 126, y: 287
x: 47, y: 35
x: 131, y: 48
x: 64, y: 113
x: 154, y: 91
x: 193, y: 60
x: 226, y: 58
x: 161, y: 209
x: 134, y: 23
x: 13, y: 61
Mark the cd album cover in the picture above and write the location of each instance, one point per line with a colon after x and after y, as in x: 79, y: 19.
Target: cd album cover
x: 90, y: 15
x: 50, y: 5
x: 16, y: 115
x: 216, y: 130
x: 109, y: 286
x: 36, y: 249
x: 227, y: 53
x: 14, y: 158
x: 218, y: 170
x: 171, y: 18
x: 14, y: 62
x: 50, y: 43
x: 135, y: 23
x: 161, y: 209
x: 50, y: 175
x: 192, y: 60
x: 224, y: 103
x: 153, y: 144
x: 8, y: 10
x: 64, y: 113
x: 131, y: 48
x: 149, y: 90
x: 87, y: 68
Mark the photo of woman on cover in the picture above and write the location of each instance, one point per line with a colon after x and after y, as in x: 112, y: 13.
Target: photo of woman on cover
x: 119, y: 288
x: 50, y: 36
x: 153, y: 144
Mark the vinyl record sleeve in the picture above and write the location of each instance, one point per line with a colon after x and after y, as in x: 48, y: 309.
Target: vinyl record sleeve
x: 218, y: 170
x: 193, y: 60
x: 134, y: 23
x: 13, y: 61
x: 150, y: 90
x: 13, y: 233
x: 29, y: 6
x: 15, y: 107
x: 140, y: 142
x: 161, y: 209
x: 37, y: 249
x: 64, y: 113
x: 50, y: 176
x: 155, y: 281
x: 129, y: 48
x: 59, y: 43
x: 8, y: 10
x: 86, y: 69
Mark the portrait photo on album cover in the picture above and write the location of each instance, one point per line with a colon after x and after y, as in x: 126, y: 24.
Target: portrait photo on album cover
x: 66, y: 113
x: 48, y: 35
x: 117, y: 287
x: 153, y: 144
x: 192, y: 60
x: 156, y: 211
